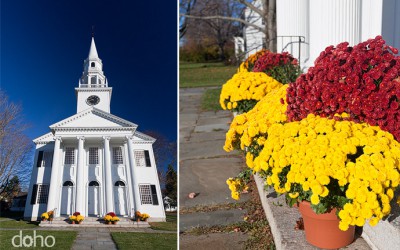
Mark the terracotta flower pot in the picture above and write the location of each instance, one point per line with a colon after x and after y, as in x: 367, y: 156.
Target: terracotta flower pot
x: 108, y: 222
x: 79, y: 222
x: 73, y: 222
x: 114, y: 222
x: 322, y: 230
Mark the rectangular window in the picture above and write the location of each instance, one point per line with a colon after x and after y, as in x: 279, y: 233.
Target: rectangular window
x: 139, y: 158
x: 117, y: 156
x: 147, y: 156
x: 154, y: 194
x: 142, y: 158
x: 47, y: 159
x: 40, y: 159
x: 43, y: 193
x: 69, y: 156
x: 34, y: 194
x: 145, y: 194
x: 93, y: 155
x: 40, y: 193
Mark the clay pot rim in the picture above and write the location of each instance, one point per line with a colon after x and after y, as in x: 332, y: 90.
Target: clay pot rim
x: 305, y: 207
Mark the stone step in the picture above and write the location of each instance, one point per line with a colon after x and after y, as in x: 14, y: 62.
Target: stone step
x: 60, y: 223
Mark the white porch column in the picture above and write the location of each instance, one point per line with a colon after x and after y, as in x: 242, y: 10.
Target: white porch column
x: 333, y: 22
x: 292, y: 19
x: 108, y: 184
x: 80, y: 185
x: 54, y: 182
x: 131, y: 195
x: 135, y: 184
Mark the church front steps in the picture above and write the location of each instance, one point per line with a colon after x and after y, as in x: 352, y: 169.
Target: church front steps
x: 93, y: 222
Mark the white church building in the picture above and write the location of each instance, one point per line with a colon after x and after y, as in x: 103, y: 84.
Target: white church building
x: 94, y: 162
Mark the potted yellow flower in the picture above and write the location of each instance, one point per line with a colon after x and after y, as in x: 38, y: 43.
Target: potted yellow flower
x: 111, y: 217
x: 335, y: 149
x: 45, y: 216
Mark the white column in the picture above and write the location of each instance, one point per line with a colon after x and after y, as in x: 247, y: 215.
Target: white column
x: 292, y: 19
x: 80, y: 185
x: 108, y: 184
x: 129, y: 180
x: 135, y: 184
x: 333, y: 22
x: 54, y: 182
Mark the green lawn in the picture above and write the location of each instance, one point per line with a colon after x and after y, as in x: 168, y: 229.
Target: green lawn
x: 210, y: 100
x: 145, y: 240
x: 204, y: 74
x: 169, y: 225
x: 63, y: 239
x: 17, y: 224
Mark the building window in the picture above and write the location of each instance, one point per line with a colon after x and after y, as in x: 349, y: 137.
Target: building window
x: 48, y: 159
x: 45, y: 159
x: 40, y: 193
x: 93, y: 184
x: 148, y: 194
x: 117, y: 156
x: 92, y: 65
x: 40, y: 159
x: 145, y: 194
x: 69, y: 156
x: 93, y: 155
x: 142, y: 158
x: 68, y: 184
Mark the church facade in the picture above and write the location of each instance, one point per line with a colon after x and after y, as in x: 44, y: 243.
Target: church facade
x: 94, y: 162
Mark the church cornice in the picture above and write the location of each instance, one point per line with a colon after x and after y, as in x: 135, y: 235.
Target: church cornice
x: 93, y: 110
x: 93, y: 129
x: 44, y: 139
x: 144, y: 137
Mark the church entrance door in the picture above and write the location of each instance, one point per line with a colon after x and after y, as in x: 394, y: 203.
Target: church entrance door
x: 93, y: 198
x: 120, y: 195
x: 66, y: 198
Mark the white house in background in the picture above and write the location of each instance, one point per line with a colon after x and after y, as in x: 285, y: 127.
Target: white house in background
x: 170, y: 204
x: 94, y: 162
x: 328, y: 22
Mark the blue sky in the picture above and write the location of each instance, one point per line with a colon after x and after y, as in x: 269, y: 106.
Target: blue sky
x: 44, y: 43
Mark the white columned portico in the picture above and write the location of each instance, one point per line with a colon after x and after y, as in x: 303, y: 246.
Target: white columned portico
x: 54, y: 182
x: 80, y: 190
x: 107, y: 166
x: 135, y: 187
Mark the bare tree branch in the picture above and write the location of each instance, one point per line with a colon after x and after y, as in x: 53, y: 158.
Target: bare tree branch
x: 226, y: 18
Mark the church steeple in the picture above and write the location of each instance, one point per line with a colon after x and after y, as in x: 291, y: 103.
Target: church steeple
x: 93, y: 87
x: 93, y: 51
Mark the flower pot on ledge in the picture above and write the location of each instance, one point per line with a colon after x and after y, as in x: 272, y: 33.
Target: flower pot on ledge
x: 108, y: 222
x: 73, y: 222
x: 322, y: 230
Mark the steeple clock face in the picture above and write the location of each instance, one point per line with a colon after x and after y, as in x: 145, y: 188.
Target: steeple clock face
x: 93, y: 100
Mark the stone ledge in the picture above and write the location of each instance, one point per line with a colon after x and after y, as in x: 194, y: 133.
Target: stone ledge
x: 282, y: 220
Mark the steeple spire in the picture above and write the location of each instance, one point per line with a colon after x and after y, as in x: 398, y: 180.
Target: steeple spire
x: 93, y: 51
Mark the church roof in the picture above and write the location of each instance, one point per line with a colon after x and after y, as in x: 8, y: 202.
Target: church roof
x: 93, y: 118
x: 93, y: 51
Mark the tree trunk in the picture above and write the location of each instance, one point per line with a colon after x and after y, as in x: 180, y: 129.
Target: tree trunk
x: 269, y: 8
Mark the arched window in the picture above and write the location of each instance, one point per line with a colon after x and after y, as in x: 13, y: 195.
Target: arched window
x: 119, y: 184
x: 92, y: 65
x: 68, y: 184
x: 94, y: 183
x: 93, y: 81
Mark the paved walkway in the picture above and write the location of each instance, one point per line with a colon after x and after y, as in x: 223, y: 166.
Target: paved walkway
x: 203, y: 169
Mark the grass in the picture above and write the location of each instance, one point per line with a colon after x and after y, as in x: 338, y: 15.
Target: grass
x: 204, y: 74
x: 145, y: 240
x: 210, y: 100
x: 63, y: 239
x: 169, y: 225
x: 18, y: 224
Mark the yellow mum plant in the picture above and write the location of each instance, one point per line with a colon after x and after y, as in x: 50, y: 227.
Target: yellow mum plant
x: 250, y: 130
x: 333, y: 164
x: 245, y: 89
x: 248, y: 65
